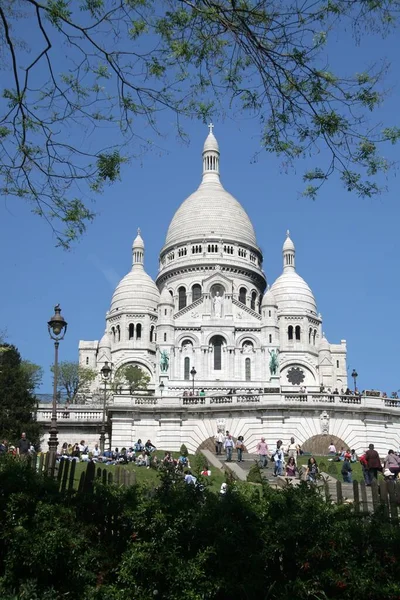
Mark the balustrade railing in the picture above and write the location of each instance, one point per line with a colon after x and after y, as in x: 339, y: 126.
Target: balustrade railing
x: 82, y: 413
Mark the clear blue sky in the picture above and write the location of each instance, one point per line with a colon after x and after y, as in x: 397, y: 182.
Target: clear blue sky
x: 347, y: 247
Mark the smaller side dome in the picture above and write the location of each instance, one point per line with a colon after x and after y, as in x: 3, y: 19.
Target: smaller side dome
x: 324, y: 344
x: 269, y: 298
x: 166, y: 297
x: 105, y: 342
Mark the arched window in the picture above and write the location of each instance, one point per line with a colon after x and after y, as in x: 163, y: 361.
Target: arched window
x: 187, y: 368
x: 217, y: 341
x: 242, y: 295
x: 290, y: 332
x: 152, y: 333
x: 165, y: 337
x: 314, y: 336
x: 113, y: 333
x: 310, y: 336
x: 247, y: 368
x: 270, y: 338
x: 87, y: 360
x: 298, y: 332
x: 138, y: 331
x: 131, y: 331
x: 253, y: 301
x: 118, y: 333
x: 181, y: 298
x: 196, y: 292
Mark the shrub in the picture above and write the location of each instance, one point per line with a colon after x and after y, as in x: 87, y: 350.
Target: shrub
x: 254, y: 475
x: 184, y: 451
x: 332, y: 469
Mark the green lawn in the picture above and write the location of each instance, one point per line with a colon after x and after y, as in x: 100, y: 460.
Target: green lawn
x: 333, y: 468
x: 151, y: 476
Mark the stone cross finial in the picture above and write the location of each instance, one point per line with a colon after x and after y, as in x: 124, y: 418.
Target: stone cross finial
x: 287, y: 233
x: 211, y: 127
x: 138, y: 231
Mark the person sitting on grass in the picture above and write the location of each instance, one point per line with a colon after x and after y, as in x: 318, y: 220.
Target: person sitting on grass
x: 291, y: 467
x: 206, y: 471
x: 346, y: 470
x: 312, y: 470
x: 143, y: 459
x: 149, y: 447
x: 189, y: 478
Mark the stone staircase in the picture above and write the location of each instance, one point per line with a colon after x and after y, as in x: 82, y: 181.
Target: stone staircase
x: 327, y: 483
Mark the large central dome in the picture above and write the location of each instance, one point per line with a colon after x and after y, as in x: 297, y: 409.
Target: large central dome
x: 211, y: 212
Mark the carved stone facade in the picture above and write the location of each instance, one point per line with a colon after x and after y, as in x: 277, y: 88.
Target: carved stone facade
x: 209, y: 321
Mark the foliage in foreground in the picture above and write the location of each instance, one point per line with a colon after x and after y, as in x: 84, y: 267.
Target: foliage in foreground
x: 179, y: 542
x: 17, y: 401
x: 93, y: 75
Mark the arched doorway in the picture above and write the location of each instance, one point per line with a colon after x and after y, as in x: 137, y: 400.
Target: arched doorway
x: 318, y: 444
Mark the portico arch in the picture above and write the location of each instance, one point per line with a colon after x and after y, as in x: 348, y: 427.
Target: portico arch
x: 318, y: 444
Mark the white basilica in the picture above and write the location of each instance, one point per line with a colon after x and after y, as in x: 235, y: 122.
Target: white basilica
x: 210, y: 310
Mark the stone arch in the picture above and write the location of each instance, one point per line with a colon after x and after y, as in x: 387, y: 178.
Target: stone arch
x: 209, y: 444
x: 318, y: 444
x: 247, y: 336
x: 187, y: 336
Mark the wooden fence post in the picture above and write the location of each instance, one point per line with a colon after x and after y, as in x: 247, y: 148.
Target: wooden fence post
x: 60, y: 470
x: 109, y: 478
x: 89, y: 477
x: 384, y: 497
x: 364, y: 496
x: 66, y: 464
x: 375, y: 494
x: 41, y: 461
x: 392, y: 500
x: 117, y: 475
x: 81, y: 482
x: 72, y: 476
x: 33, y: 460
x: 356, y: 496
x: 132, y: 478
x: 339, y: 493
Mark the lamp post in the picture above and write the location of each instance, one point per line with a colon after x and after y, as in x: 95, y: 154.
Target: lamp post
x: 354, y: 376
x: 161, y: 386
x: 193, y: 374
x: 105, y: 374
x: 57, y: 327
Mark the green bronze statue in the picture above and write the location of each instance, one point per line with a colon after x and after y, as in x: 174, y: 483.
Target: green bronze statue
x: 164, y: 361
x: 273, y: 361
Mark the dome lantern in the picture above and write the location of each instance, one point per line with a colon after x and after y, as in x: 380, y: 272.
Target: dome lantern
x: 211, y: 157
x: 138, y: 251
x: 289, y: 253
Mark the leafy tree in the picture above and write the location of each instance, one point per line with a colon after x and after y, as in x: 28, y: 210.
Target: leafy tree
x: 132, y: 376
x: 33, y: 372
x: 73, y: 379
x: 17, y: 402
x: 109, y: 68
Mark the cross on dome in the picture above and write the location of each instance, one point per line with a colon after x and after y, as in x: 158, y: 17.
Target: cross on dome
x: 211, y: 127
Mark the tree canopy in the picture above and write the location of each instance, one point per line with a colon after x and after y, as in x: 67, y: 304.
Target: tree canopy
x: 73, y: 379
x: 133, y: 377
x: 17, y: 401
x: 80, y: 73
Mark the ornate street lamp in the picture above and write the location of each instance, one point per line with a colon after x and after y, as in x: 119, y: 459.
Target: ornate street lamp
x: 354, y: 376
x: 193, y: 374
x: 105, y: 374
x: 57, y: 327
x: 161, y: 386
